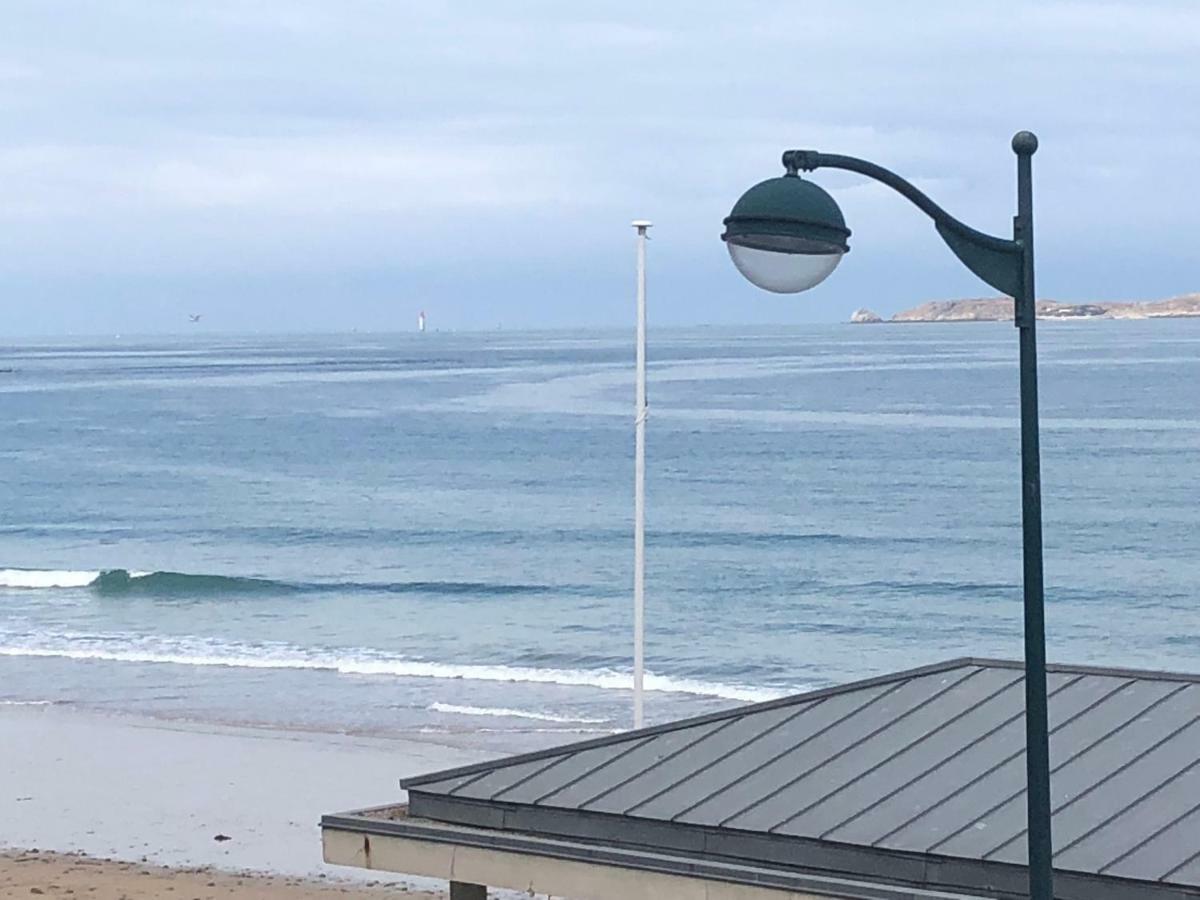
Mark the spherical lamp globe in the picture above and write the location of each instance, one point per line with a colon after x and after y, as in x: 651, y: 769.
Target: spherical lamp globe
x: 786, y: 235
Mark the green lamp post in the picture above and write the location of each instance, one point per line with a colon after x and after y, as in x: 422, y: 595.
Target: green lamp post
x: 787, y: 235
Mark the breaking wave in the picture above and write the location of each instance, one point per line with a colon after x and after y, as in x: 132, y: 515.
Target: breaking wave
x: 182, y: 584
x: 505, y: 713
x: 363, y: 662
x: 45, y: 578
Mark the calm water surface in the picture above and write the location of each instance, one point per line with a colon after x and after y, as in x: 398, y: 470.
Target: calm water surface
x: 431, y: 534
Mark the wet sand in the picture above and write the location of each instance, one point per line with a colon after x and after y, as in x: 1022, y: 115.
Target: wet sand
x: 35, y: 873
x: 184, y: 796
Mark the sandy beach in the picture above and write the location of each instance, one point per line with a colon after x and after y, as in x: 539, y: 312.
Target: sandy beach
x: 34, y: 873
x: 148, y: 794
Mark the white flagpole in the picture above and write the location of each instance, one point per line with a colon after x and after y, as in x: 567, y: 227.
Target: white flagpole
x: 639, y: 488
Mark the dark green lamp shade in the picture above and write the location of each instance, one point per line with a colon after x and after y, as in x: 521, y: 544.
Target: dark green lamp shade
x: 786, y: 234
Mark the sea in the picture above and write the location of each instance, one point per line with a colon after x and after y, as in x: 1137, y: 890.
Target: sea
x: 430, y: 536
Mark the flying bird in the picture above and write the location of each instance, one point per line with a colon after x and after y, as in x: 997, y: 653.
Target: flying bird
x: 195, y: 317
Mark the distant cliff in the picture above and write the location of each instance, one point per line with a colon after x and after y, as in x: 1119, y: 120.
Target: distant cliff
x: 1000, y: 309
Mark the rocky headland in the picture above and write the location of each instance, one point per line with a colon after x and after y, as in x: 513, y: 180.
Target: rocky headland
x: 1000, y: 309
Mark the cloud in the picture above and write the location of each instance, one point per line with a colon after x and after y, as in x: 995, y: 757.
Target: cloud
x: 371, y: 142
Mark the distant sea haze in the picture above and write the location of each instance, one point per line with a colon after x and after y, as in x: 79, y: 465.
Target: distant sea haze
x: 431, y: 535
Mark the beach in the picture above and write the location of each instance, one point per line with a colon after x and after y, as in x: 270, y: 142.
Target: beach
x: 152, y: 794
x: 33, y: 873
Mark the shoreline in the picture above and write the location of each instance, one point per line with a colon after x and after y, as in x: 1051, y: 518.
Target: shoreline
x: 144, y: 792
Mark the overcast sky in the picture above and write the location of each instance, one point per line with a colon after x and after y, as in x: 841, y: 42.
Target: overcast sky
x: 343, y: 164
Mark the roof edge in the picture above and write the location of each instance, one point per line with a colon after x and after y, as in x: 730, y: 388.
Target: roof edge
x: 721, y: 715
x: 979, y: 878
x: 1086, y: 669
x: 806, y: 697
x: 751, y: 873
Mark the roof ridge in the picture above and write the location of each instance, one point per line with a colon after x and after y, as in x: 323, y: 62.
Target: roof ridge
x: 679, y: 725
x: 1089, y: 669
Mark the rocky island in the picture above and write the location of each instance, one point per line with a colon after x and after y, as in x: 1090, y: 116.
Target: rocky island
x: 865, y: 317
x: 1000, y: 309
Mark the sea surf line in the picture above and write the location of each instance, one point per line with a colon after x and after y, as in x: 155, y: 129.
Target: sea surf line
x: 507, y: 713
x: 166, y: 584
x: 122, y: 648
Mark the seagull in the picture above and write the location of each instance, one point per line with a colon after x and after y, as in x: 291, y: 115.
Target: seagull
x: 195, y: 317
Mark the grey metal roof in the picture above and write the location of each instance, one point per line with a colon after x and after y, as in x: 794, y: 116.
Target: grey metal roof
x: 916, y: 777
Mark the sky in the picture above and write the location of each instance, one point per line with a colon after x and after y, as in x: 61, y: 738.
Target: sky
x: 344, y: 164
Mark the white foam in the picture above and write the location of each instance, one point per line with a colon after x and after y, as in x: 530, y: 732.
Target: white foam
x: 26, y: 702
x: 604, y: 679
x: 504, y: 713
x: 196, y: 652
x: 558, y: 731
x: 53, y: 578
x: 45, y: 578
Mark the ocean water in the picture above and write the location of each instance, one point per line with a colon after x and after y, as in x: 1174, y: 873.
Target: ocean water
x: 430, y: 535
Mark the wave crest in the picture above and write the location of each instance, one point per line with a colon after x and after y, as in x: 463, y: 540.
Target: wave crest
x: 171, y: 584
x: 183, y: 584
x: 506, y: 713
x: 359, y: 661
x: 45, y: 578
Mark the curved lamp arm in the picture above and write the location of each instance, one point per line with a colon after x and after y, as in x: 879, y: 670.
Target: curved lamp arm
x: 998, y: 261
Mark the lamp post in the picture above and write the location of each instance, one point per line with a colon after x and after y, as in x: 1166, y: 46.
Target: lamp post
x: 788, y: 235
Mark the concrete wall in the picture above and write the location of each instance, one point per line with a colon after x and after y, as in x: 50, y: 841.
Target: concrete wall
x: 528, y: 872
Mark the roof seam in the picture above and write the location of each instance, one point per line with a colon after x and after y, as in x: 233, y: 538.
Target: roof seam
x: 978, y: 778
x: 1143, y: 796
x: 861, y: 706
x: 910, y: 745
x: 689, y: 745
x: 1128, y: 763
x: 995, y: 806
x: 1167, y: 827
x: 469, y: 781
x: 792, y: 749
x: 635, y: 745
x: 780, y: 724
x: 862, y: 740
x: 1183, y: 865
x: 1140, y: 756
x: 550, y: 764
x: 534, y: 774
x: 959, y: 752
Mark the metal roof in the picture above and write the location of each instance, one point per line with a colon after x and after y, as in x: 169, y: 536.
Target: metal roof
x: 916, y: 777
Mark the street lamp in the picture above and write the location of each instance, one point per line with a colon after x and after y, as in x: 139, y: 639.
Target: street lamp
x: 787, y: 235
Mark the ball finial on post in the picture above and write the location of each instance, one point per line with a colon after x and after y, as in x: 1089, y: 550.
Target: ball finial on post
x: 1024, y: 143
